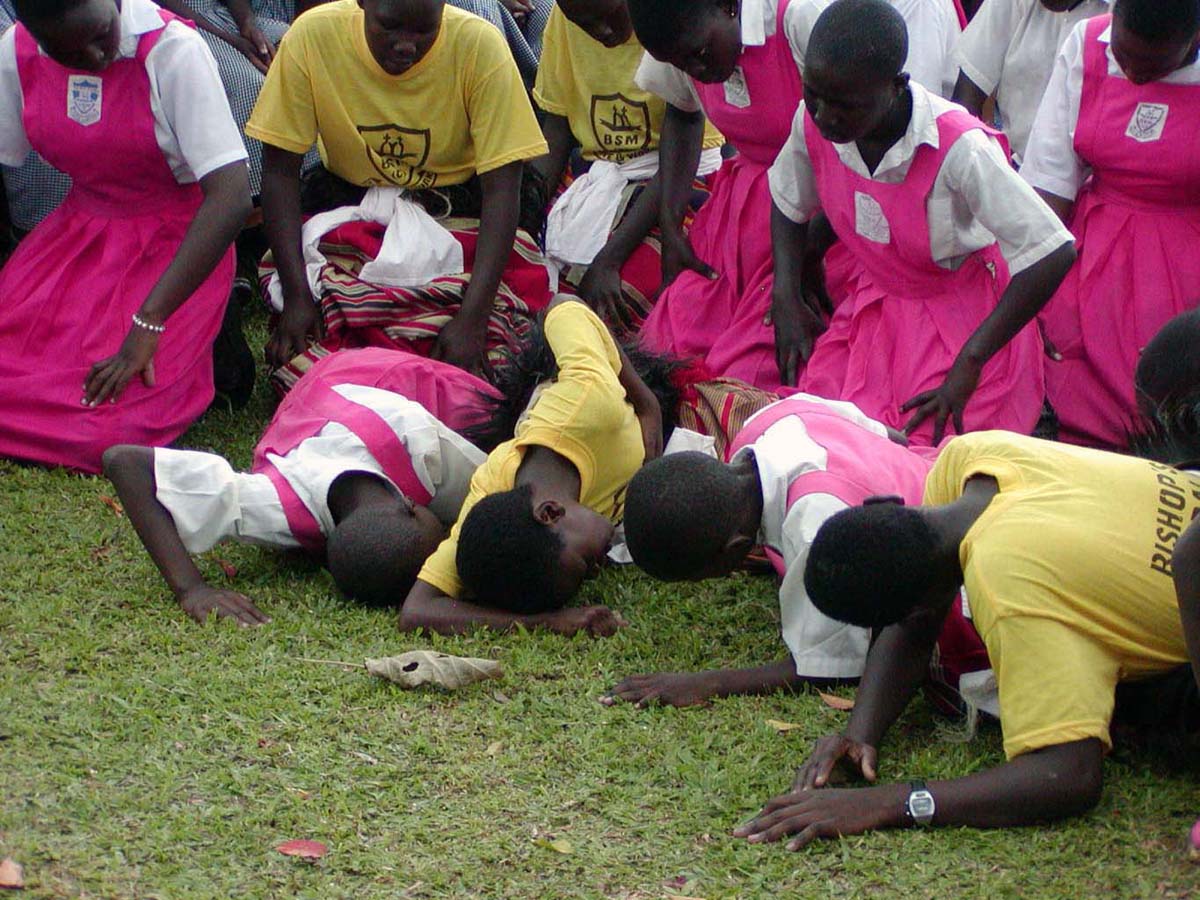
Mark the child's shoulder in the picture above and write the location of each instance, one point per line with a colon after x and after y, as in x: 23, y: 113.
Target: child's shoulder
x: 327, y: 18
x: 467, y: 34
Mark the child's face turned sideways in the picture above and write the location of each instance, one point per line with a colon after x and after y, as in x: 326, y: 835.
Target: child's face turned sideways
x: 848, y: 106
x: 586, y: 536
x: 85, y: 37
x: 400, y: 32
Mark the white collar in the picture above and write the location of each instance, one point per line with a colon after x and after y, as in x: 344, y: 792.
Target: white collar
x: 922, y: 129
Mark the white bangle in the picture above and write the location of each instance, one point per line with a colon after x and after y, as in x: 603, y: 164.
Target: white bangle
x: 142, y: 323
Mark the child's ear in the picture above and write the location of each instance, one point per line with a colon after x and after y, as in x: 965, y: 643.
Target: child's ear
x: 548, y: 512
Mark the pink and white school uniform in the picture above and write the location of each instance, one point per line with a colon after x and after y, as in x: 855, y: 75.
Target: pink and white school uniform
x: 720, y: 321
x: 934, y: 231
x: 380, y: 411
x: 135, y: 139
x: 1129, y: 156
x: 815, y: 458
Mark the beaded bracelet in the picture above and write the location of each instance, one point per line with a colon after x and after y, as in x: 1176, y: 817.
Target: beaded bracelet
x: 142, y: 323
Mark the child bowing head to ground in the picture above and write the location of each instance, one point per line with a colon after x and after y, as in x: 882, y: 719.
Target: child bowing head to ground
x: 603, y: 131
x: 539, y: 517
x: 1066, y: 555
x: 923, y: 198
x: 1113, y: 151
x: 423, y: 103
x: 362, y: 467
x: 796, y: 463
x: 109, y: 308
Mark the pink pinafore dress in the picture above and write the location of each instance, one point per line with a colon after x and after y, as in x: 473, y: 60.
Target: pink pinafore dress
x: 861, y: 464
x: 67, y: 294
x: 720, y: 321
x: 451, y: 395
x: 899, y: 330
x: 1137, y: 232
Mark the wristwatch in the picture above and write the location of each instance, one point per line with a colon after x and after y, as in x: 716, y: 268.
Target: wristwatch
x: 919, y: 807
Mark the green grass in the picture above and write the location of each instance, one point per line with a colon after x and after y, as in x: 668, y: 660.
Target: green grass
x: 144, y: 756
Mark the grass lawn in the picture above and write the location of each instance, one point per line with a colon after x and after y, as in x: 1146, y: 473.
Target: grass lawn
x: 144, y: 756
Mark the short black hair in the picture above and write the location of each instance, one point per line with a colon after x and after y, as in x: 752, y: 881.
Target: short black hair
x: 1159, y: 20
x: 42, y: 10
x: 871, y: 565
x: 374, y: 555
x: 864, y: 36
x: 1169, y: 367
x: 659, y: 23
x: 680, y: 511
x: 506, y: 557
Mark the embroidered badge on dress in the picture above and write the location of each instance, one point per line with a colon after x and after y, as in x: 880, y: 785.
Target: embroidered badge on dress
x: 737, y: 92
x: 869, y: 220
x: 1147, y: 122
x: 85, y: 95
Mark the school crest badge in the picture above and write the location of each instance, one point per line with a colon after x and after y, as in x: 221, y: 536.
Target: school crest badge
x: 621, y: 125
x: 869, y: 220
x: 737, y: 91
x: 85, y: 96
x: 1147, y: 122
x: 398, y: 153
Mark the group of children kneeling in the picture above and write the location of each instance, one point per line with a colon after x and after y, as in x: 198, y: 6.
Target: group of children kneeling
x: 462, y: 439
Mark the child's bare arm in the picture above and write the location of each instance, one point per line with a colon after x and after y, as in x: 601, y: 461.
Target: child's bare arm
x: 678, y: 158
x: 131, y: 470
x: 692, y: 688
x: 796, y: 317
x: 1186, y: 569
x: 969, y: 95
x: 427, y: 607
x: 601, y: 285
x: 557, y: 132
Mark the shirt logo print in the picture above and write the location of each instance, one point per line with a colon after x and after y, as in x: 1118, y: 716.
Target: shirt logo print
x: 1147, y: 122
x: 85, y: 95
x: 398, y: 153
x: 621, y: 125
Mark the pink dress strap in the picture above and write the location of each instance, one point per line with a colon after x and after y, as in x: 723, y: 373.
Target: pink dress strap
x: 302, y: 523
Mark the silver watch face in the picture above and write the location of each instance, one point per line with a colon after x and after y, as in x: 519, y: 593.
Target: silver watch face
x: 921, y: 806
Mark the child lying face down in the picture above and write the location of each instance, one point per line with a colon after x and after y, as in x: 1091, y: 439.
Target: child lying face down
x: 540, y: 514
x: 352, y: 468
x: 1066, y: 555
x: 795, y: 464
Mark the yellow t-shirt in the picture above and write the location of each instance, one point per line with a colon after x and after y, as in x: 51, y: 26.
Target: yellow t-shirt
x: 592, y: 87
x: 1068, y: 572
x: 583, y: 416
x: 461, y: 110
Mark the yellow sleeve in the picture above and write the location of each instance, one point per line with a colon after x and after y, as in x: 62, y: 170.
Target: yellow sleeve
x: 503, y: 126
x: 581, y: 343
x: 285, y: 115
x: 961, y: 459
x: 1056, y: 685
x: 555, y: 78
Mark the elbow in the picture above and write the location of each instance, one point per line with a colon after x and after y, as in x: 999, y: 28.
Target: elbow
x: 118, y: 460
x: 1086, y: 792
x: 416, y: 614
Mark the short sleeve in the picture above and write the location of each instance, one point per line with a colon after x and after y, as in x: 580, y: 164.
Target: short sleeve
x: 285, y: 114
x: 798, y: 21
x: 664, y: 80
x: 793, y: 186
x: 1026, y: 228
x: 984, y: 43
x: 1056, y: 684
x: 14, y: 144
x: 555, y: 78
x: 210, y: 502
x: 581, y: 343
x: 1050, y: 163
x: 503, y: 127
x: 184, y: 75
x: 962, y: 458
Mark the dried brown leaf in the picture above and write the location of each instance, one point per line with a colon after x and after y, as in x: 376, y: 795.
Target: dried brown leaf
x: 419, y: 667
x: 12, y: 875
x: 833, y: 701
x: 783, y: 727
x: 114, y: 505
